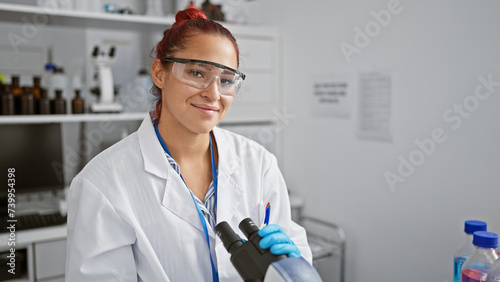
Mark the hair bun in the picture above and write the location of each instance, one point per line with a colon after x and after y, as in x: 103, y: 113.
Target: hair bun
x: 191, y: 13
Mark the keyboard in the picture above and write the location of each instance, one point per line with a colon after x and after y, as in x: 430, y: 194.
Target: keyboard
x: 31, y: 221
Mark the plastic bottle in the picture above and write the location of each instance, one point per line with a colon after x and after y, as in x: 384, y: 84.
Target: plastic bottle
x: 476, y: 267
x: 494, y: 273
x: 47, y: 79
x: 466, y: 248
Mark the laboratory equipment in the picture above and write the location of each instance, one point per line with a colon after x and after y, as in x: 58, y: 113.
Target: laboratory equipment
x: 47, y: 78
x: 36, y: 153
x: 59, y: 103
x: 256, y: 264
x: 77, y: 104
x: 328, y: 246
x: 17, y: 92
x: 494, y: 273
x: 36, y: 90
x: 466, y: 248
x: 59, y: 80
x: 139, y: 98
x: 7, y: 101
x: 44, y: 103
x: 27, y: 102
x: 476, y: 267
x: 106, y: 90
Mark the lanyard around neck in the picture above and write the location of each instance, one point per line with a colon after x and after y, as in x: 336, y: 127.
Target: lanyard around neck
x: 215, y: 275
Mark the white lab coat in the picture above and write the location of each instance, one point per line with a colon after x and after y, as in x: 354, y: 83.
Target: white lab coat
x: 131, y: 218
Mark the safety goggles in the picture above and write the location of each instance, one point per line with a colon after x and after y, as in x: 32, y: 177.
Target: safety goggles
x: 200, y: 74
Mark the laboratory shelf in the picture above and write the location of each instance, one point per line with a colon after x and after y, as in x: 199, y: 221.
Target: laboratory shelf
x: 74, y: 18
x: 16, y: 12
x: 31, y: 119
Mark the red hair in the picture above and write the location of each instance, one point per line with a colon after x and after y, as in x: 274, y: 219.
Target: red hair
x: 188, y: 22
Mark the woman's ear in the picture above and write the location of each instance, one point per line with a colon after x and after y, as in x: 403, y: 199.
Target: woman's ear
x: 157, y: 73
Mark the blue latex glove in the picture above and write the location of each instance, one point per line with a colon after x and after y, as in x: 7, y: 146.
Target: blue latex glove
x: 273, y: 237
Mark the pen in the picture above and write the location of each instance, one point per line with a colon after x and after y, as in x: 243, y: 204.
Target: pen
x: 268, y: 212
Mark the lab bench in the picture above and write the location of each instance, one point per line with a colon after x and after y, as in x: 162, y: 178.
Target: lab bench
x: 327, y: 242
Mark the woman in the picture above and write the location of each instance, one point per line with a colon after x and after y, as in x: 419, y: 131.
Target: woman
x: 145, y: 208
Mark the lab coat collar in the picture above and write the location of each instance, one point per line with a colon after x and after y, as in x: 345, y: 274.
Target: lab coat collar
x: 176, y: 197
x: 229, y: 192
x: 155, y: 161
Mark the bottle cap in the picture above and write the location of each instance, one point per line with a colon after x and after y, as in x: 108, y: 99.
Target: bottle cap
x: 50, y: 66
x: 485, y: 239
x: 472, y: 226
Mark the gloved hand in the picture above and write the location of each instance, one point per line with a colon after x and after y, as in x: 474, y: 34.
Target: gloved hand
x: 273, y: 237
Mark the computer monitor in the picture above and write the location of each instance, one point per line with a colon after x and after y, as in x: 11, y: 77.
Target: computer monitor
x: 35, y: 152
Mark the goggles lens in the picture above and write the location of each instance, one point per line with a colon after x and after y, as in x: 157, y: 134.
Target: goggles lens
x: 201, y: 74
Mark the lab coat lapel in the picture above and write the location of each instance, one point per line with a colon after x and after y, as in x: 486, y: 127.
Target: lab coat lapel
x: 178, y: 200
x: 176, y: 197
x: 229, y: 193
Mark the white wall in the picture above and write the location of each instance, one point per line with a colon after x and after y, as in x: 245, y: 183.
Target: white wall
x: 436, y: 51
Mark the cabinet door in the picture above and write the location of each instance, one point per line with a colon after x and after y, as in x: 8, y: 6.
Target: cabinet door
x: 257, y: 89
x: 259, y: 94
x: 50, y: 260
x: 255, y: 53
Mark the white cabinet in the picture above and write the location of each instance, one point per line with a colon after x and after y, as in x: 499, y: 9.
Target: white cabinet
x: 49, y: 260
x: 45, y: 253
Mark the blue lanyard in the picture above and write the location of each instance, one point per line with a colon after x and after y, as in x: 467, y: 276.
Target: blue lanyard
x: 215, y: 275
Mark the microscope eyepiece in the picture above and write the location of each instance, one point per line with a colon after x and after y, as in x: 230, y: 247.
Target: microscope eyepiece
x: 95, y: 52
x: 229, y: 239
x: 248, y: 227
x: 112, y: 52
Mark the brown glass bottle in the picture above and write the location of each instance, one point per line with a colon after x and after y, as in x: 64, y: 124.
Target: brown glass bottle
x: 7, y: 101
x: 27, y: 102
x: 44, y: 103
x: 59, y: 103
x: 1, y: 97
x: 17, y: 91
x: 77, y: 104
x: 36, y: 90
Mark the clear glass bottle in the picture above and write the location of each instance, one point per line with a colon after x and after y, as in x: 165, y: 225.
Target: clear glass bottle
x: 7, y: 101
x: 466, y: 248
x: 476, y: 267
x: 59, y: 103
x: 77, y: 104
x: 27, y: 102
x: 494, y: 274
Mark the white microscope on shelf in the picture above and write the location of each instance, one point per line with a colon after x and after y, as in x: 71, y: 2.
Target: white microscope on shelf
x: 106, y: 90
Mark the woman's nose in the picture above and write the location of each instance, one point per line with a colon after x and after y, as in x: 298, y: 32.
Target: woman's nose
x: 212, y: 90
